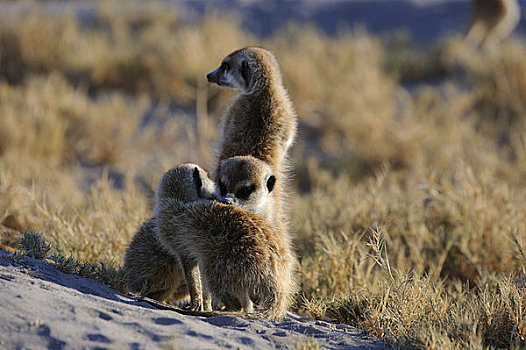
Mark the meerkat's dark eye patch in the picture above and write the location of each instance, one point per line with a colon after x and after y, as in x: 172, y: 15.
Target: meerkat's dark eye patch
x: 224, y: 66
x: 245, y: 191
x: 222, y: 188
x: 271, y: 182
x: 245, y: 71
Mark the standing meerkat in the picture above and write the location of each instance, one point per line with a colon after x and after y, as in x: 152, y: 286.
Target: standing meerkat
x: 492, y: 21
x: 260, y: 121
x: 160, y: 273
x: 241, y: 255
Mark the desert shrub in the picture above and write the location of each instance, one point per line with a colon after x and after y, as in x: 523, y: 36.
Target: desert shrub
x: 356, y: 123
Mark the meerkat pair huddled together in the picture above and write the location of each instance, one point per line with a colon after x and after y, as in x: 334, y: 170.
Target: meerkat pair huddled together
x: 237, y: 252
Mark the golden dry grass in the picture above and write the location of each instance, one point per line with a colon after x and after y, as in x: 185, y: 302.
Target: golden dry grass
x: 409, y: 212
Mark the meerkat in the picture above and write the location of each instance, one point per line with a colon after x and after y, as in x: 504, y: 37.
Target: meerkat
x: 151, y: 270
x: 492, y: 21
x: 260, y: 121
x: 169, y: 275
x: 241, y: 255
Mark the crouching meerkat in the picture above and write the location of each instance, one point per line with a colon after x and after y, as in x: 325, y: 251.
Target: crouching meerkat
x: 241, y: 256
x: 260, y: 121
x: 160, y: 273
x: 151, y: 270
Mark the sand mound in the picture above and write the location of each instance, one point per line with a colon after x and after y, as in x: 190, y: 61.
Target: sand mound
x: 42, y: 307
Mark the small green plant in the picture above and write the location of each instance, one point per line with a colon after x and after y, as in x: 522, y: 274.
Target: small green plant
x: 105, y: 273
x: 34, y: 245
x: 17, y: 257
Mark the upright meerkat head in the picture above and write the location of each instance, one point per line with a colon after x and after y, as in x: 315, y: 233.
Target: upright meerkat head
x: 188, y: 182
x: 247, y: 69
x: 246, y: 182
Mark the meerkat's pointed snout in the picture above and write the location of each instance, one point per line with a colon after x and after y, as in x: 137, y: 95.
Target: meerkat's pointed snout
x: 213, y: 76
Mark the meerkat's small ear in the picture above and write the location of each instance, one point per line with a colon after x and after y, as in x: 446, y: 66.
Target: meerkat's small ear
x: 197, y: 179
x: 271, y: 182
x: 245, y: 71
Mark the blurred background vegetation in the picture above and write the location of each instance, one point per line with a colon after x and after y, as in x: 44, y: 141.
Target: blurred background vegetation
x: 409, y: 202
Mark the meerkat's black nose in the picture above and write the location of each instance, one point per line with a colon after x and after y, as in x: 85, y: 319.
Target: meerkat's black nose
x: 212, y: 77
x: 228, y: 199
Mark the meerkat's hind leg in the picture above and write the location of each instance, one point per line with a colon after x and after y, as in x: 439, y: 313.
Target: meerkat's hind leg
x: 193, y: 281
x: 162, y: 296
x: 207, y: 297
x: 230, y: 302
x: 181, y: 292
x: 247, y: 304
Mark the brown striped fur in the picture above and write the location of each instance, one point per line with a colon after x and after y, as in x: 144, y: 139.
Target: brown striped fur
x: 151, y: 270
x: 167, y: 273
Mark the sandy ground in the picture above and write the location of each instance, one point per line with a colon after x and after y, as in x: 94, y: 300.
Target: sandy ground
x: 41, y: 307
